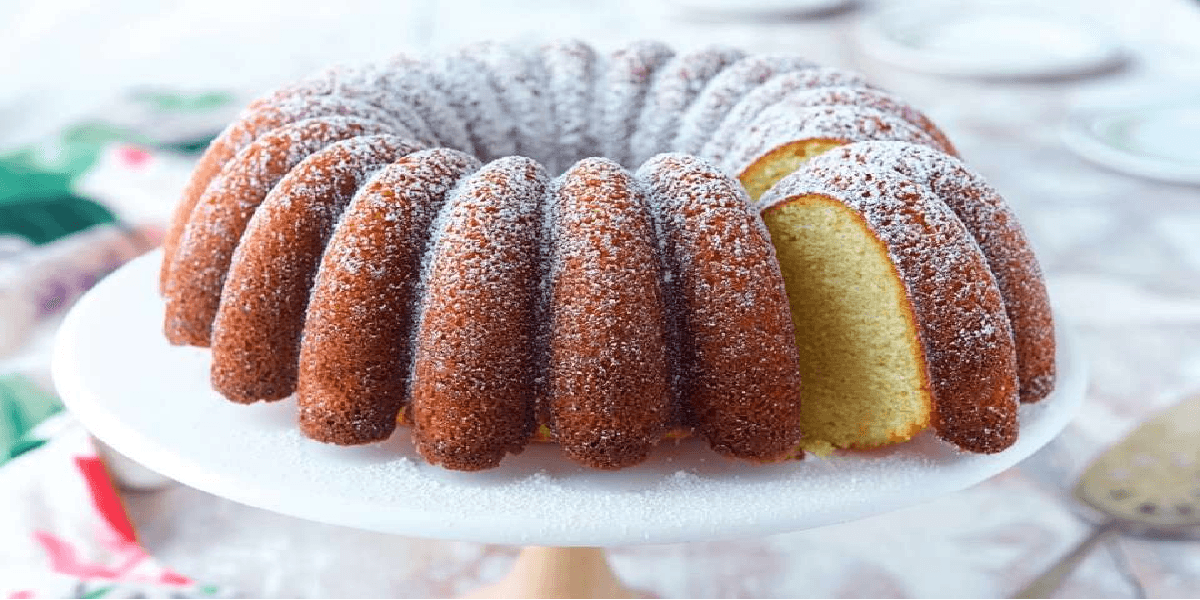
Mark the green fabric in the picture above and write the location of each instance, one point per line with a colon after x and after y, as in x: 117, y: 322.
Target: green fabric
x: 173, y: 102
x: 38, y: 203
x: 99, y: 592
x: 36, y: 198
x: 45, y: 219
x: 22, y: 406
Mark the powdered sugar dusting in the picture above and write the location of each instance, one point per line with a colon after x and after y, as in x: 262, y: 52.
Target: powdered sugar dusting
x: 324, y: 175
x: 474, y: 357
x: 738, y: 373
x: 724, y: 92
x: 221, y: 216
x: 375, y: 87
x: 781, y: 125
x: 674, y: 88
x: 256, y: 334
x: 520, y: 84
x: 410, y: 82
x: 570, y: 75
x: 356, y: 350
x: 465, y: 80
x: 608, y: 388
x: 620, y: 92
x: 869, y: 98
x: 297, y: 108
x: 771, y: 93
x: 366, y: 83
x: 241, y: 133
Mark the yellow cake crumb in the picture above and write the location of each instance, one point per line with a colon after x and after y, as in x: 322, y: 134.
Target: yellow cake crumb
x: 765, y: 172
x: 861, y: 362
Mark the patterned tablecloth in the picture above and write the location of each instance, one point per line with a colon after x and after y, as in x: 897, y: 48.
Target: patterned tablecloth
x: 1122, y: 256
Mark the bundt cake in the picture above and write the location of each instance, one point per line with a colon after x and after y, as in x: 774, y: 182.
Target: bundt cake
x: 394, y: 243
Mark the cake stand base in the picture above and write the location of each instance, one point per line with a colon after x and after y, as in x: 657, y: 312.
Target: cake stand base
x: 543, y: 572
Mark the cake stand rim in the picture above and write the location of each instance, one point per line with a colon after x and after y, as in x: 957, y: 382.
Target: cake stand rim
x: 498, y: 525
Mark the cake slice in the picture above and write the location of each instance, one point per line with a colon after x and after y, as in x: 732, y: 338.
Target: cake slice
x: 899, y: 322
x: 1001, y: 239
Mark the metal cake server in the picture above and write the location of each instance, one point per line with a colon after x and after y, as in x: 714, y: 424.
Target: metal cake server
x: 1148, y: 484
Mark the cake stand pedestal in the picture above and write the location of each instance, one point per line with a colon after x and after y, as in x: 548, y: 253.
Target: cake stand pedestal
x: 152, y: 402
x: 547, y: 572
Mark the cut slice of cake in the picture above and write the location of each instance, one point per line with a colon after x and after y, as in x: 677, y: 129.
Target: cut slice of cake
x: 899, y: 323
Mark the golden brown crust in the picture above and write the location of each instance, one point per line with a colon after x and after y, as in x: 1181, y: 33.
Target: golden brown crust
x: 738, y: 372
x: 475, y: 358
x: 609, y: 379
x: 201, y: 262
x: 256, y: 334
x: 968, y: 346
x: 238, y: 135
x: 356, y: 352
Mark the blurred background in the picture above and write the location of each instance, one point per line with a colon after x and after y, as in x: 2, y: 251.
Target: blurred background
x: 1085, y: 114
x: 63, y: 57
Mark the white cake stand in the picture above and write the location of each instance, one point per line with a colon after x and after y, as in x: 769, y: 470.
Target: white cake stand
x: 152, y: 402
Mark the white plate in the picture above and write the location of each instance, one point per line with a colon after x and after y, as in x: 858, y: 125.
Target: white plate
x: 758, y: 8
x: 988, y: 39
x: 1152, y: 133
x: 152, y: 402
